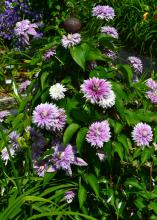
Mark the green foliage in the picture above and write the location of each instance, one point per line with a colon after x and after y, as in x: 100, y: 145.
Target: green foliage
x: 120, y: 185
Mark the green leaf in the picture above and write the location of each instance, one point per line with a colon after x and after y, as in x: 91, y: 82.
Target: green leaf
x: 127, y: 72
x: 139, y: 203
x: 133, y: 182
x: 78, y: 53
x: 146, y: 154
x: 80, y: 139
x: 82, y: 195
x: 43, y: 78
x: 153, y: 205
x: 69, y: 132
x: 125, y: 142
x: 93, y: 182
x: 119, y: 149
x: 94, y: 54
x: 62, y: 213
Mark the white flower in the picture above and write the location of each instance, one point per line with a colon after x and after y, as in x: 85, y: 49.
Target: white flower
x: 57, y: 91
x: 101, y: 156
x: 109, y: 101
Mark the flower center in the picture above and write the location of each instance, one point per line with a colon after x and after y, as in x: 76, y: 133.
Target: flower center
x: 95, y: 88
x: 144, y: 133
x: 97, y: 132
x: 44, y: 114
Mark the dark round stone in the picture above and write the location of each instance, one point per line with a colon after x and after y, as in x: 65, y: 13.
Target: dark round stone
x: 72, y: 25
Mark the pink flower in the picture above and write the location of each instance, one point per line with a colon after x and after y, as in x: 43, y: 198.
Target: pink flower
x: 151, y: 84
x: 98, y: 134
x: 49, y: 116
x: 142, y: 134
x: 111, y: 31
x: 95, y: 89
x: 23, y: 86
x: 152, y: 93
x: 49, y: 53
x: 103, y: 12
x: 70, y: 40
x: 136, y: 64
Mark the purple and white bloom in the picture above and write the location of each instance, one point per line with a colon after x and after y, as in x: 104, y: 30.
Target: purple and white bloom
x: 111, y: 31
x: 70, y: 40
x: 3, y: 115
x: 69, y: 196
x: 59, y: 121
x: 50, y: 53
x: 44, y: 114
x: 57, y: 91
x: 151, y: 84
x: 152, y: 95
x: 98, y: 134
x: 5, y: 155
x: 40, y: 168
x: 13, y: 139
x: 136, y: 64
x: 49, y: 116
x: 23, y: 86
x: 64, y: 158
x: 109, y: 101
x: 142, y: 134
x: 25, y: 28
x: 95, y: 89
x: 103, y: 12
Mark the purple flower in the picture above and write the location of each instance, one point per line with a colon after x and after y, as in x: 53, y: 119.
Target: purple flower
x: 70, y: 40
x: 60, y: 120
x: 103, y: 12
x: 3, y: 114
x: 98, y: 134
x: 136, y: 64
x: 49, y: 116
x: 40, y: 168
x: 142, y: 134
x: 13, y: 11
x: 13, y: 139
x: 38, y: 143
x: 49, y: 53
x: 23, y: 86
x: 95, y: 89
x: 44, y: 115
x: 152, y: 95
x: 25, y: 28
x: 151, y: 84
x: 5, y: 155
x: 69, y: 196
x: 64, y: 158
x: 110, y: 54
x: 111, y: 31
